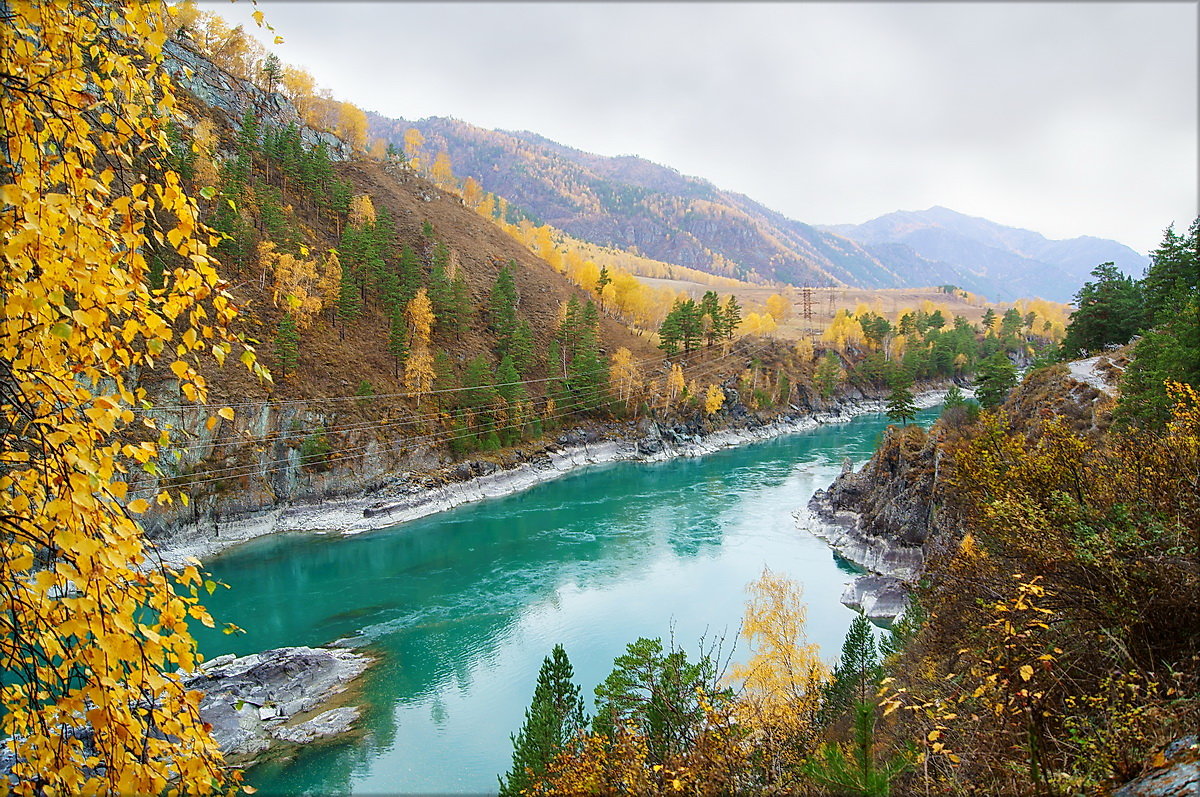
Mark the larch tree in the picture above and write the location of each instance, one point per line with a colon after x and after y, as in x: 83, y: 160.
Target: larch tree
x: 95, y: 628
x: 714, y: 399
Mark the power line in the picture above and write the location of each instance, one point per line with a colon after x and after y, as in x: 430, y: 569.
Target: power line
x: 579, y: 402
x: 411, y: 420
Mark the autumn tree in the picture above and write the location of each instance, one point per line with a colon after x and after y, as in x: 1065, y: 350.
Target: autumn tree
x: 95, y: 628
x: 419, y: 372
x: 784, y: 679
x: 675, y: 383
x: 779, y: 307
x: 714, y: 399
x: 623, y: 375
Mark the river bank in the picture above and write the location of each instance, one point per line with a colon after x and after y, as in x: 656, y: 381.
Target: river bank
x: 417, y: 495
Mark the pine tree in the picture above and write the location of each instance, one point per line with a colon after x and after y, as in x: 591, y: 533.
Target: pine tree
x: 502, y: 308
x: 520, y: 348
x: 349, y: 306
x: 829, y: 374
x: 857, y: 672
x: 397, y: 337
x: 670, y: 332
x: 552, y: 721
x: 287, y: 344
x: 732, y: 317
x: 409, y: 275
x: 995, y: 377
x: 901, y: 407
x: 690, y: 327
x: 710, y: 307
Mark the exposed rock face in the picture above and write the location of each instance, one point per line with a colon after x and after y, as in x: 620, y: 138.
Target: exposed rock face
x: 883, y: 514
x: 881, y: 518
x: 877, y: 597
x: 1177, y: 776
x: 221, y: 91
x: 256, y: 702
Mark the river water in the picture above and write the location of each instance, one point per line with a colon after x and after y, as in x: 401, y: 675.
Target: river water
x: 463, y: 605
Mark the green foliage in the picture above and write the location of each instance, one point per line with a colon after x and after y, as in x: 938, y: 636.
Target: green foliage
x: 901, y: 406
x: 682, y: 326
x: 857, y: 673
x: 502, y: 308
x: 828, y: 374
x: 658, y: 692
x: 858, y: 773
x: 520, y: 348
x: 314, y: 450
x: 575, y: 354
x: 1110, y: 311
x: 1171, y: 349
x: 552, y: 721
x: 731, y: 316
x: 287, y: 344
x: 994, y: 379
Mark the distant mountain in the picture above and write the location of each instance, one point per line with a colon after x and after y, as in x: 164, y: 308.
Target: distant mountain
x: 1017, y: 262
x: 630, y: 203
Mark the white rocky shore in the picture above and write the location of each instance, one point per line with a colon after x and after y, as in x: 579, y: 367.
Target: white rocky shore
x: 383, y: 509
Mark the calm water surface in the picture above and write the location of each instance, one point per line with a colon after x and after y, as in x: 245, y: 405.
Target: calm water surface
x: 462, y: 606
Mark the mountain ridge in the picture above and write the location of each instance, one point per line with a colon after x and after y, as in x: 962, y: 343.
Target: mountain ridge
x: 631, y: 203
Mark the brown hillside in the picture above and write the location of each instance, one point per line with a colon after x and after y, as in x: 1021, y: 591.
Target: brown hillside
x: 332, y: 365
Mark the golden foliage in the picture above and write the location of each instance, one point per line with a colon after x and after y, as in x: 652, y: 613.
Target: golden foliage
x: 362, y: 211
x: 714, y: 399
x: 675, y: 383
x: 94, y: 629
x: 782, y: 682
x: 779, y: 307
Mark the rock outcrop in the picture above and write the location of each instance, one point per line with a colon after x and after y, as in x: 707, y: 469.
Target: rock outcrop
x: 1175, y: 774
x: 283, y: 696
x: 881, y: 519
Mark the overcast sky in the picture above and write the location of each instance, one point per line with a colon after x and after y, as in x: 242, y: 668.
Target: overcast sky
x: 1069, y: 119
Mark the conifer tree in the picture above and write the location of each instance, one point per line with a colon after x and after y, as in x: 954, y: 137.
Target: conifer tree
x: 287, y: 344
x: 409, y: 275
x: 502, y: 308
x: 710, y: 307
x: 521, y: 348
x: 731, y: 317
x: 670, y: 332
x: 829, y: 374
x: 901, y: 407
x: 398, y: 337
x: 857, y: 672
x: 552, y: 721
x: 996, y: 376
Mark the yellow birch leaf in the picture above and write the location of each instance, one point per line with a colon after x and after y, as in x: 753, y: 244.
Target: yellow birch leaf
x: 1026, y: 672
x: 138, y: 505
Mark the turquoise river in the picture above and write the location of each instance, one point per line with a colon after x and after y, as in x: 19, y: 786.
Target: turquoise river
x: 462, y: 606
